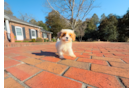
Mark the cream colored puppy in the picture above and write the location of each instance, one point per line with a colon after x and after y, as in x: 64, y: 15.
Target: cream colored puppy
x: 64, y: 43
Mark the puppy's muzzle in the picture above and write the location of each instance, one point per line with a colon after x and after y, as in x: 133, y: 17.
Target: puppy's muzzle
x: 66, y: 38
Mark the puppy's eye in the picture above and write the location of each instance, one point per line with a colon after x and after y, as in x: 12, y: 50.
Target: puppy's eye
x: 69, y: 35
x: 64, y: 34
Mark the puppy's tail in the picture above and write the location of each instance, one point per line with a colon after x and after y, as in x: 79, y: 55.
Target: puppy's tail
x: 58, y: 39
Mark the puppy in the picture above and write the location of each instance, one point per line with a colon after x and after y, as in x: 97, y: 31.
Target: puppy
x: 64, y: 42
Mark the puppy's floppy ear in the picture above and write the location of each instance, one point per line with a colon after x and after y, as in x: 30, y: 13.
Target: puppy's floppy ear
x: 59, y: 34
x: 73, y: 36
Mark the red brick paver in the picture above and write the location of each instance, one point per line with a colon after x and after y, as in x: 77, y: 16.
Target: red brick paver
x: 93, y: 78
x: 52, y: 67
x: 97, y: 65
x: 49, y: 80
x: 121, y: 65
x: 11, y: 83
x: 75, y: 64
x: 31, y: 61
x: 125, y: 81
x: 52, y: 59
x: 101, y: 62
x: 107, y: 59
x: 126, y: 60
x: 23, y: 71
x: 5, y: 74
x: 19, y: 57
x: 9, y: 63
x: 110, y: 70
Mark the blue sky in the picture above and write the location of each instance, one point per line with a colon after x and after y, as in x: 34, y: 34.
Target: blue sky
x: 36, y: 9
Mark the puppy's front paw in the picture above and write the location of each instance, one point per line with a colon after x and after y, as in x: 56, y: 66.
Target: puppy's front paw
x: 73, y: 56
x: 61, y: 57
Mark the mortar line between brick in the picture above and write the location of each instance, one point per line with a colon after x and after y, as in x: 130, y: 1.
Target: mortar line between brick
x: 32, y: 76
x: 90, y: 57
x: 109, y: 74
x: 108, y: 64
x: 83, y: 86
x: 65, y: 71
x: 14, y: 65
x: 16, y: 79
x: 58, y: 61
x: 6, y: 77
x: 15, y: 59
x: 89, y: 66
x: 21, y: 62
x: 79, y: 81
x: 76, y: 59
x: 121, y: 83
x: 123, y: 61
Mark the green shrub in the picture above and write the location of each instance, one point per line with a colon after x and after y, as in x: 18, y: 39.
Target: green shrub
x: 128, y: 40
x: 45, y: 40
x: 33, y: 40
x: 54, y: 40
x: 18, y: 41
x: 27, y: 40
x: 39, y: 40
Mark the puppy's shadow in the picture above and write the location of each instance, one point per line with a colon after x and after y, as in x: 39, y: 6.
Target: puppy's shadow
x: 46, y: 53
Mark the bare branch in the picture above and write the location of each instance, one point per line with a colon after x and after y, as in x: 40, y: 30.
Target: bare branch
x: 52, y: 7
x: 91, y: 3
x: 25, y: 17
x: 72, y: 14
x: 56, y: 11
x: 74, y: 10
x: 62, y: 9
x: 78, y: 12
x: 67, y: 5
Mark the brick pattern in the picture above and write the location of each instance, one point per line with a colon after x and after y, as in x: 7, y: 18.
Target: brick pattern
x: 23, y: 71
x: 75, y: 64
x: 5, y: 74
x: 31, y: 61
x: 52, y: 67
x: 12, y: 37
x: 9, y: 63
x: 97, y: 65
x: 11, y: 83
x: 9, y: 45
x: 5, y: 36
x: 93, y: 78
x: 49, y: 80
x: 110, y: 70
x: 125, y: 81
x: 101, y: 62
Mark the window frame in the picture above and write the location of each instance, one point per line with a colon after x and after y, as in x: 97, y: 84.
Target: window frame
x: 16, y: 31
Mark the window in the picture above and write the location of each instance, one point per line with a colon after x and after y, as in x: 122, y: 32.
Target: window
x: 5, y: 27
x: 44, y: 35
x: 33, y: 33
x: 18, y: 30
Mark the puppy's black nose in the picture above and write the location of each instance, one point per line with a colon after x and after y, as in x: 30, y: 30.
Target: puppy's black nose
x: 66, y: 37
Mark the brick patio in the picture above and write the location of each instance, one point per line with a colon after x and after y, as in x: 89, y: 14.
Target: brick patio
x: 97, y: 65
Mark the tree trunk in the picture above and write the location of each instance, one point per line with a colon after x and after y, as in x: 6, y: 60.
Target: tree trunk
x: 79, y: 38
